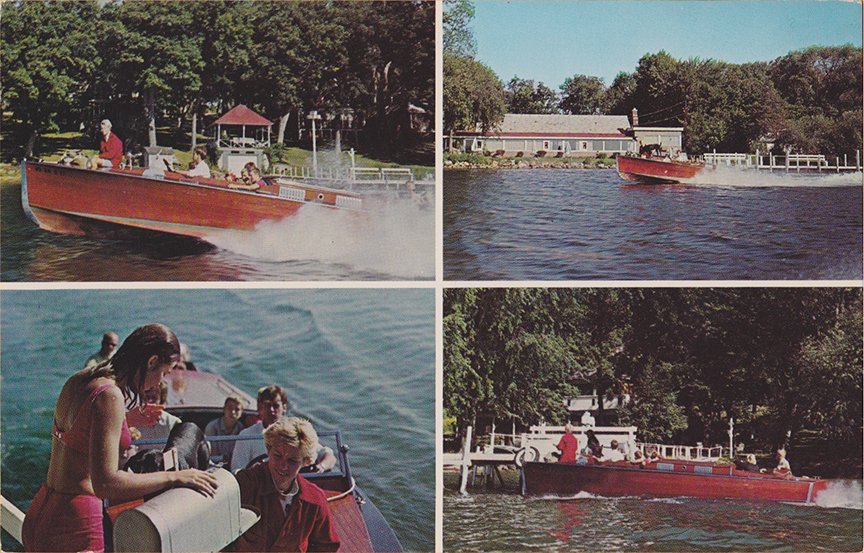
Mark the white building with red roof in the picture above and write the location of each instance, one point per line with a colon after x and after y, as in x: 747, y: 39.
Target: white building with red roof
x: 559, y: 135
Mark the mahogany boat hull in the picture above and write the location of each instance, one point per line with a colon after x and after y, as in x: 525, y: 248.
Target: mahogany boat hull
x: 656, y: 170
x: 666, y: 479
x: 73, y: 200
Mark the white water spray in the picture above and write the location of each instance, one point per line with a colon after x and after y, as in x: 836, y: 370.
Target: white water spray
x: 846, y: 494
x: 396, y: 239
x: 741, y: 177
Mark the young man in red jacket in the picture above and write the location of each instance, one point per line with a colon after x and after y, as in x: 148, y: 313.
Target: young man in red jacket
x: 110, y: 149
x: 294, y: 512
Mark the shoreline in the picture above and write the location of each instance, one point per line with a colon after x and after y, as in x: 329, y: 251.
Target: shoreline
x: 523, y: 163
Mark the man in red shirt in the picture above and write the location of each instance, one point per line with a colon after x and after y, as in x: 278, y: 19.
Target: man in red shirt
x: 294, y: 512
x: 110, y: 149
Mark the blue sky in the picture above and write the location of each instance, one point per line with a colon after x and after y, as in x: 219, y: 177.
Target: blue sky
x: 548, y: 41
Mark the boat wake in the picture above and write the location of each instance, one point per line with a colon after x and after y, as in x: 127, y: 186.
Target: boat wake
x: 396, y: 239
x: 843, y: 494
x: 740, y: 177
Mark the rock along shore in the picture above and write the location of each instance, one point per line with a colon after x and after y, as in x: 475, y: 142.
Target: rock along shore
x: 518, y: 163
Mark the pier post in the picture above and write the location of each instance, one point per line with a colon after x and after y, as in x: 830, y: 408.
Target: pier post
x: 858, y: 160
x: 466, y: 458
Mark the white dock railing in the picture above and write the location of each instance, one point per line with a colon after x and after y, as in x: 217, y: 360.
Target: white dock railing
x: 787, y: 163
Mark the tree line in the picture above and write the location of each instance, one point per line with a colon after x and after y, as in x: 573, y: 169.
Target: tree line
x: 779, y: 361
x: 168, y: 62
x: 808, y: 101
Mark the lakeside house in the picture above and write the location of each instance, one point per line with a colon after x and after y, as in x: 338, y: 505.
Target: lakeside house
x: 556, y: 135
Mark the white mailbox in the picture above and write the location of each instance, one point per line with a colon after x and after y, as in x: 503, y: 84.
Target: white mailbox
x: 184, y: 520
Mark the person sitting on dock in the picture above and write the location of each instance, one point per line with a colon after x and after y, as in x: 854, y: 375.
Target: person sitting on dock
x: 109, y: 345
x: 568, y: 445
x: 250, y: 177
x: 227, y: 425
x: 295, y: 515
x: 110, y: 149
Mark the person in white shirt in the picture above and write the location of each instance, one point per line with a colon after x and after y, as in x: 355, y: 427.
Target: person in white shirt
x: 272, y: 404
x: 198, y: 167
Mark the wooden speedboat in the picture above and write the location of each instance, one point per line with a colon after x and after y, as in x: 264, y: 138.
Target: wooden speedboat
x: 667, y: 478
x: 74, y: 200
x: 657, y: 170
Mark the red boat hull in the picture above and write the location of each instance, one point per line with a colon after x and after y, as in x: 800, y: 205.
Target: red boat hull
x: 73, y: 200
x: 666, y: 479
x: 656, y: 170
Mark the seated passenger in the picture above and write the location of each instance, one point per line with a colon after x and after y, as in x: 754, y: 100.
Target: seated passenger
x: 637, y: 458
x: 185, y: 363
x: 783, y: 468
x: 272, y: 403
x: 109, y: 345
x: 614, y: 453
x: 251, y: 178
x: 750, y: 464
x: 162, y: 426
x: 652, y: 455
x: 198, y: 166
x: 227, y: 425
x: 294, y: 512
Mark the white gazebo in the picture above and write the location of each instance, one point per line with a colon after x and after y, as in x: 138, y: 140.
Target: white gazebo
x: 241, y: 135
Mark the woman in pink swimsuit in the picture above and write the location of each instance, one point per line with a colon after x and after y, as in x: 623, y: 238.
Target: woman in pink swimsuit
x: 89, y: 434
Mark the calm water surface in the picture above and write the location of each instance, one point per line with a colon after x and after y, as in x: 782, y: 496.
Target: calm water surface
x: 550, y: 224
x: 506, y: 521
x: 393, y: 241
x: 360, y: 361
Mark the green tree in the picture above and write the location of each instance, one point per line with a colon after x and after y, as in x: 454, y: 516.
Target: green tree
x: 524, y: 96
x: 149, y: 53
x: 458, y: 36
x: 583, y: 95
x: 619, y: 98
x: 48, y: 63
x: 473, y: 95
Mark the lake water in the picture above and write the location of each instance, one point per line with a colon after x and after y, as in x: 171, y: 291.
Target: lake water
x: 563, y: 224
x: 395, y: 240
x: 357, y: 360
x: 485, y: 520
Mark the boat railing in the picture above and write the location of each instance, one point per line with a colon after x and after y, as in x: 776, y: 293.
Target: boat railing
x: 690, y: 453
x: 351, y: 177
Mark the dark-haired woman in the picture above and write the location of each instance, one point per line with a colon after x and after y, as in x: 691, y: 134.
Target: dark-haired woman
x: 88, y: 436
